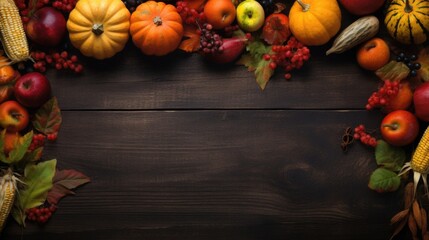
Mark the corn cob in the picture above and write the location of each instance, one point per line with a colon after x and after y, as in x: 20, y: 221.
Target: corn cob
x: 7, y: 196
x: 12, y: 33
x: 419, y: 162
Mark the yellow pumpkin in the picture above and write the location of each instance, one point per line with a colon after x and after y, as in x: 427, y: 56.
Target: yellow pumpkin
x: 408, y: 21
x: 99, y: 28
x: 315, y: 22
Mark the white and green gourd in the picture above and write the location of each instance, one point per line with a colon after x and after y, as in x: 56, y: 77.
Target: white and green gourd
x: 356, y: 33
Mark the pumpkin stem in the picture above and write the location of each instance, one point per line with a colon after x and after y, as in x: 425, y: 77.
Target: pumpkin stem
x: 97, y: 28
x: 157, y: 21
x: 408, y: 7
x: 305, y: 6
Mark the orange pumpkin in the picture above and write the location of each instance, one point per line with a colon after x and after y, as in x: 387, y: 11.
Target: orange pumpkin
x: 156, y: 28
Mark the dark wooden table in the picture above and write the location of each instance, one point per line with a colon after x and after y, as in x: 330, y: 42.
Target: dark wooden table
x: 179, y: 148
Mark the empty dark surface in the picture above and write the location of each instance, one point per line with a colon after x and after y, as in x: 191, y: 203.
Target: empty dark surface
x: 179, y: 148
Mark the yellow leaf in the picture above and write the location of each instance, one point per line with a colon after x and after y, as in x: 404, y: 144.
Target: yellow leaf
x: 191, y: 42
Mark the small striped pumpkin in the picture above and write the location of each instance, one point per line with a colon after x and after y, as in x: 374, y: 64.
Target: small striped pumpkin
x: 408, y: 21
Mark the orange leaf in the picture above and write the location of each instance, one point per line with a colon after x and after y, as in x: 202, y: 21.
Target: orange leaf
x: 195, y: 4
x: 191, y: 43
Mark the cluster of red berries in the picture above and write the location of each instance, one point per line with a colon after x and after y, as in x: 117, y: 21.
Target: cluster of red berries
x: 64, y: 5
x: 39, y: 140
x: 382, y: 96
x: 26, y: 7
x: 41, y: 214
x: 190, y: 15
x: 59, y: 60
x: 362, y: 135
x: 290, y: 56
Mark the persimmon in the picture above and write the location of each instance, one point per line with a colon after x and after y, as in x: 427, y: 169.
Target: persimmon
x: 373, y: 54
x: 402, y: 100
x: 219, y: 13
x: 7, y: 78
x: 10, y: 141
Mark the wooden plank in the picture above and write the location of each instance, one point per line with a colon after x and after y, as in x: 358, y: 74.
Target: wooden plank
x: 184, y: 81
x: 227, y: 174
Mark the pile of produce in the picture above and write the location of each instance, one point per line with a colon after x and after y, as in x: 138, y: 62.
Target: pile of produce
x: 266, y: 36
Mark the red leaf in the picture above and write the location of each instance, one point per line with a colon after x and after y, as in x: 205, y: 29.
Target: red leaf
x: 47, y: 119
x: 191, y: 43
x: 63, y: 182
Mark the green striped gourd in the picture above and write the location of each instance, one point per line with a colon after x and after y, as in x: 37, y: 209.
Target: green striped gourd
x: 407, y: 21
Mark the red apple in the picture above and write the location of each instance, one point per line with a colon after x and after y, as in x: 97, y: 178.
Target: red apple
x: 13, y: 116
x: 47, y: 27
x: 421, y: 101
x: 399, y: 128
x: 362, y: 7
x: 32, y: 89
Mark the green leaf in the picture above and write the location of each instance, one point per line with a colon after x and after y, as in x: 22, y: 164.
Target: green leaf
x: 393, y: 71
x: 47, y: 119
x: 38, y: 182
x: 389, y: 157
x: 263, y: 73
x: 34, y: 155
x: 64, y: 181
x: 254, y: 62
x: 21, y: 148
x: 383, y: 180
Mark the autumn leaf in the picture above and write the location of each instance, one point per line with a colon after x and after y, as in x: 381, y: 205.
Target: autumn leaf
x: 423, y: 73
x: 38, y: 181
x: 47, y: 119
x: 384, y: 180
x: 64, y: 182
x: 191, y: 42
x: 255, y: 62
x: 393, y: 71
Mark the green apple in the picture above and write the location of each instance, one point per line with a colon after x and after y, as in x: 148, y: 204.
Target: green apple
x: 250, y: 15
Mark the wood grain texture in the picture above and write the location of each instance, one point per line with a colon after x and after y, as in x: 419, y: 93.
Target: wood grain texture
x: 182, y: 81
x: 226, y: 174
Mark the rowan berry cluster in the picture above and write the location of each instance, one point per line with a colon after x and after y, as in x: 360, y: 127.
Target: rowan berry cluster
x: 361, y: 134
x: 41, y: 214
x: 290, y: 56
x: 190, y: 15
x: 59, y: 60
x: 37, y: 141
x: 382, y: 96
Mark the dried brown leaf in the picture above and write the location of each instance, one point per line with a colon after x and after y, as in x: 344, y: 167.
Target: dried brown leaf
x: 426, y: 236
x: 417, y: 214
x: 412, y: 225
x: 400, y: 216
x: 280, y: 7
x: 424, y: 220
x: 409, y: 194
x: 398, y: 228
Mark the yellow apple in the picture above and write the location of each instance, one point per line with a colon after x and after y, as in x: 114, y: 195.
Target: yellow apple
x: 250, y: 15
